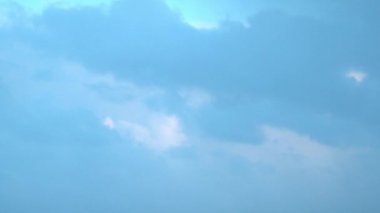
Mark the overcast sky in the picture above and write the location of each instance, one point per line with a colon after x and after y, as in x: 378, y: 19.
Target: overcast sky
x: 233, y: 106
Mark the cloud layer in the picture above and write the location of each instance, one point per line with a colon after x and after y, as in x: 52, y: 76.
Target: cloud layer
x: 136, y: 107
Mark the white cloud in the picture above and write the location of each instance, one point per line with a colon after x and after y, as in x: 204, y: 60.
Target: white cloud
x: 195, y: 97
x: 119, y: 104
x: 125, y: 105
x: 356, y: 75
x: 108, y: 122
x: 284, y: 148
x: 203, y: 25
x: 160, y: 133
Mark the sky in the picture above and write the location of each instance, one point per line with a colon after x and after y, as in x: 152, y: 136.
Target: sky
x: 189, y: 106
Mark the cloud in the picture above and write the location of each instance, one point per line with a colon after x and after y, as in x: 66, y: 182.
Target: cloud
x: 195, y: 97
x: 73, y: 73
x: 160, y: 133
x: 121, y: 104
x: 203, y: 25
x: 286, y: 149
x: 240, y: 10
x: 357, y: 76
x: 246, y: 65
x: 108, y: 122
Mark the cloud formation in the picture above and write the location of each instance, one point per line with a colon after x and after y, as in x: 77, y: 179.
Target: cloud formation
x: 160, y: 133
x: 286, y: 149
x: 81, y: 86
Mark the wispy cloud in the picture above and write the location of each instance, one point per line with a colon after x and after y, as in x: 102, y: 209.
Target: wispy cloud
x: 195, y: 97
x: 121, y: 105
x: 203, y: 25
x: 287, y: 149
x: 160, y: 133
x: 357, y: 76
x: 139, y: 79
x: 108, y: 122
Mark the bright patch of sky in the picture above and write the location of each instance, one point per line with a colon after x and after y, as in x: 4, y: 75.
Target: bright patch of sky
x: 208, y: 14
x: 38, y: 6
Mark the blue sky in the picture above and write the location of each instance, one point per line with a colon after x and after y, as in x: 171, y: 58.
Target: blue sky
x: 189, y: 106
